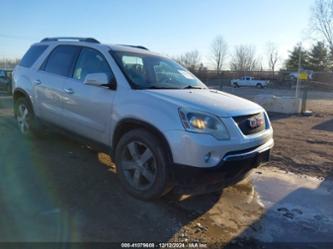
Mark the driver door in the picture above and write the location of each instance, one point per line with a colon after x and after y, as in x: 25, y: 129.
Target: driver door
x: 87, y: 108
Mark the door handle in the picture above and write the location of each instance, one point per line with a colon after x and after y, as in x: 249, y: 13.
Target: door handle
x: 69, y: 90
x: 37, y: 82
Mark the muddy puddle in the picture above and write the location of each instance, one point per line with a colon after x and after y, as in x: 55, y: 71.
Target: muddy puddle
x: 270, y: 206
x: 298, y: 208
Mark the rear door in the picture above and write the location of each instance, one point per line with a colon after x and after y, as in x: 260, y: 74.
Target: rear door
x: 242, y: 81
x: 50, y: 81
x: 87, y: 108
x: 247, y: 81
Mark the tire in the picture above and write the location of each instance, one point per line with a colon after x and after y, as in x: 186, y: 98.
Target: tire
x: 25, y: 117
x: 236, y: 85
x: 9, y: 89
x: 143, y: 166
x: 259, y: 85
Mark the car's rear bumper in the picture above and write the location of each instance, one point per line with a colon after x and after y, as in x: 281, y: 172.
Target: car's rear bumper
x: 232, y: 168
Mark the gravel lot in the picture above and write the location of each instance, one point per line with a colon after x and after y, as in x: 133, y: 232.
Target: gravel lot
x: 56, y: 189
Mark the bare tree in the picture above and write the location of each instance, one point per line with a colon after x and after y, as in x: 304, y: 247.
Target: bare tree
x: 8, y: 63
x: 273, y: 56
x: 218, y: 52
x: 244, y: 59
x: 322, y: 20
x: 190, y: 60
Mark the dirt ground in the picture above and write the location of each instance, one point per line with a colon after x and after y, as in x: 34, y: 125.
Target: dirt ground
x: 56, y: 189
x: 304, y: 144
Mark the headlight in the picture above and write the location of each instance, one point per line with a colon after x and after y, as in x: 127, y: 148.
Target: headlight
x: 200, y: 122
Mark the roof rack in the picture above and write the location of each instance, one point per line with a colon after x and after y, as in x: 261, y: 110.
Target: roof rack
x: 80, y: 39
x: 134, y: 46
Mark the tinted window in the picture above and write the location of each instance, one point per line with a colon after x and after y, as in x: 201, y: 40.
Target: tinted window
x: 91, y: 61
x: 32, y: 55
x: 61, y: 60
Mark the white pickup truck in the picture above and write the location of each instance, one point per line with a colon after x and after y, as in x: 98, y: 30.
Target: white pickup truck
x: 249, y: 81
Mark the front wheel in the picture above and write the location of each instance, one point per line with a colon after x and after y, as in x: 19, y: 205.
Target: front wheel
x: 142, y: 165
x: 9, y: 89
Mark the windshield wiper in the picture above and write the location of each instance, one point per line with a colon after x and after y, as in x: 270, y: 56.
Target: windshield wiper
x: 192, y: 87
x: 159, y: 87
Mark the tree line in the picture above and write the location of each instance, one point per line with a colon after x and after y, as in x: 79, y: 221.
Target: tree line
x: 318, y: 58
x: 243, y: 58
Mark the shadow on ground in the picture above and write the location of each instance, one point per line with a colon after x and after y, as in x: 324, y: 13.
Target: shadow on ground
x: 325, y: 126
x: 54, y: 189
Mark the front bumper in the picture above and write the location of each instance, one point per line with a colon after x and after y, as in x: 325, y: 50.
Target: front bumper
x: 233, y: 167
x: 205, y: 151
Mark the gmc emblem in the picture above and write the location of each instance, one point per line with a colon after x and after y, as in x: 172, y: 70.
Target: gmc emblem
x: 255, y: 122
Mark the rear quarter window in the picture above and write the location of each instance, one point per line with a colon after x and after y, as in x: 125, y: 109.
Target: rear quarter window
x: 32, y: 55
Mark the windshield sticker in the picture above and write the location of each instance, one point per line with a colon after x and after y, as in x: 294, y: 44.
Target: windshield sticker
x: 186, y: 74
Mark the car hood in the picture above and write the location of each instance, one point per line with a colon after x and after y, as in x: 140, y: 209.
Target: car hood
x: 216, y: 102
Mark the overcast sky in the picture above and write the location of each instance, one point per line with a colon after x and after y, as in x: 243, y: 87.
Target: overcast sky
x: 169, y: 27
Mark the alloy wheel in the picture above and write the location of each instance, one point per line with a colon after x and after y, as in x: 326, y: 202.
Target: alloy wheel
x: 22, y: 117
x: 139, y: 165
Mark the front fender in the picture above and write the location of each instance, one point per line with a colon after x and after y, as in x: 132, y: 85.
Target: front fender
x: 160, y: 114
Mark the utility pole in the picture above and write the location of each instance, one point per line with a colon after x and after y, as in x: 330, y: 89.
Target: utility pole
x: 299, y: 71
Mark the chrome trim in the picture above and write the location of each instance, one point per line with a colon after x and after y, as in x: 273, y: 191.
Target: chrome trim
x: 68, y: 90
x: 266, y: 146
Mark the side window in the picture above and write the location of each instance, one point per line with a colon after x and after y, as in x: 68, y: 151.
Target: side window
x: 2, y: 74
x: 91, y: 61
x: 61, y: 60
x: 32, y: 55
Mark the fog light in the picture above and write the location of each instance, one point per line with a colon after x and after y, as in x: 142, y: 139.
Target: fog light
x: 207, y: 157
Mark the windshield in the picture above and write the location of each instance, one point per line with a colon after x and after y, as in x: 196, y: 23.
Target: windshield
x: 145, y: 71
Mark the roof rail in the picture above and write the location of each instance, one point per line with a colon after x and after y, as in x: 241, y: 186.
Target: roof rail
x: 134, y: 46
x: 80, y: 39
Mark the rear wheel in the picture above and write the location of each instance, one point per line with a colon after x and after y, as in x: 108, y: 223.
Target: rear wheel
x: 142, y: 165
x: 259, y: 85
x: 25, y: 117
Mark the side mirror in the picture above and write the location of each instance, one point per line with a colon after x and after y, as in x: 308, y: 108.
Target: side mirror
x: 100, y: 79
x: 96, y: 79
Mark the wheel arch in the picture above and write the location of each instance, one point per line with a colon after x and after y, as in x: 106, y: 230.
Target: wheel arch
x: 128, y: 124
x: 18, y: 93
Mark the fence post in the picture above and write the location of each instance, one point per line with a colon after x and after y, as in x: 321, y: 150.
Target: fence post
x: 304, y: 99
x: 221, y: 83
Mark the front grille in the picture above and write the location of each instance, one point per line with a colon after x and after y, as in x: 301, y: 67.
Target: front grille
x: 245, y: 123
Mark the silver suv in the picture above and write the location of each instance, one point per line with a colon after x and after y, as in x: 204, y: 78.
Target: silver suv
x: 162, y: 126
